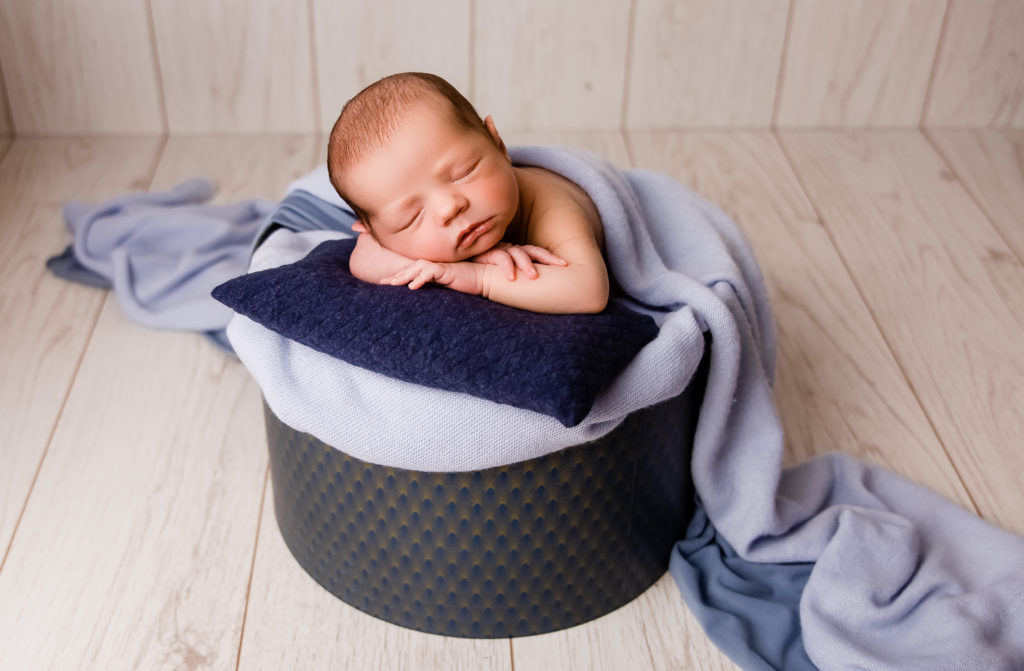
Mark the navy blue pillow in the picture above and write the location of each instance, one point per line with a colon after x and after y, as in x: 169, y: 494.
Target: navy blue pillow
x: 554, y: 364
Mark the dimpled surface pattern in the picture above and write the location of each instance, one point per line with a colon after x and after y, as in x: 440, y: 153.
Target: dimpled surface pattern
x: 515, y: 550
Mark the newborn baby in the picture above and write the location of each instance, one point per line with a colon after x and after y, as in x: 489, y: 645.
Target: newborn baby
x: 438, y: 200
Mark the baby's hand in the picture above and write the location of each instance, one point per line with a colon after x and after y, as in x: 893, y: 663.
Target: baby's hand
x: 459, y: 276
x: 509, y: 257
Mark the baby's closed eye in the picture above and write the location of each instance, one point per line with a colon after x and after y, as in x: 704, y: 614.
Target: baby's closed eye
x: 411, y: 221
x: 465, y: 171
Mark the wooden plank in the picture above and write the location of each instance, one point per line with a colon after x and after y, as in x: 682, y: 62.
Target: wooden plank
x: 655, y: 631
x: 80, y: 68
x: 977, y: 80
x: 46, y: 321
x: 990, y: 164
x: 837, y: 387
x: 609, y: 144
x: 705, y: 64
x: 944, y: 289
x: 135, y: 548
x: 551, y: 65
x: 236, y: 66
x: 294, y: 623
x: 858, y: 64
x: 358, y: 43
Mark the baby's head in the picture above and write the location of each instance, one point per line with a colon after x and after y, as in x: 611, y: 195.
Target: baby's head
x: 427, y: 177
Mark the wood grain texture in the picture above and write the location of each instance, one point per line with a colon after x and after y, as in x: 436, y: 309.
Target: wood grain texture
x: 73, y: 67
x: 704, y: 64
x: 294, y: 623
x: 358, y: 43
x: 991, y: 165
x: 47, y: 321
x: 654, y: 632
x: 235, y: 66
x: 979, y: 77
x: 858, y: 63
x: 551, y: 65
x: 141, y: 524
x: 837, y: 386
x: 136, y: 544
x: 943, y: 287
x: 609, y: 144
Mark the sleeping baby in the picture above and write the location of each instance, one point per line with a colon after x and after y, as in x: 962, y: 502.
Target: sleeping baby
x: 438, y: 200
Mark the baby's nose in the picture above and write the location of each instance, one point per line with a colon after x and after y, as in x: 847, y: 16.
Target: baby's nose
x: 452, y: 207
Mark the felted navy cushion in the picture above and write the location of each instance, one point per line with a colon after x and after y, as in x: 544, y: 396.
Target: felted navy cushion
x: 436, y: 337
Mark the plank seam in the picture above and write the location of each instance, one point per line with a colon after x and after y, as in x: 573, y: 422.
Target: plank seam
x: 158, y: 71
x: 67, y: 392
x: 7, y: 110
x: 252, y: 567
x: 978, y: 200
x: 471, y: 47
x: 314, y: 68
x: 627, y: 74
x: 53, y: 431
x: 780, y: 80
x: 939, y: 44
x: 860, y: 291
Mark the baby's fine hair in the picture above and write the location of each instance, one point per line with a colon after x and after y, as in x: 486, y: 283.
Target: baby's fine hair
x: 368, y: 120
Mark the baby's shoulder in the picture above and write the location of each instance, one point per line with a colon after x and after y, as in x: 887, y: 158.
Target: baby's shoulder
x: 551, y: 193
x: 551, y: 189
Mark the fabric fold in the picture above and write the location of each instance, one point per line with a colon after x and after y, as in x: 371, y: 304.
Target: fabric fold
x: 881, y: 572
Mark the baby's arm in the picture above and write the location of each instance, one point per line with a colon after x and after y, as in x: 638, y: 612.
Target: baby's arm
x: 578, y: 286
x: 581, y: 286
x: 371, y: 262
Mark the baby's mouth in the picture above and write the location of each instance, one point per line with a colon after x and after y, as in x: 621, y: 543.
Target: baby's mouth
x: 468, y: 236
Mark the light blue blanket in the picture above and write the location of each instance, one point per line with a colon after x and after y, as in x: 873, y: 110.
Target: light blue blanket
x: 902, y: 578
x: 162, y: 253
x: 891, y: 576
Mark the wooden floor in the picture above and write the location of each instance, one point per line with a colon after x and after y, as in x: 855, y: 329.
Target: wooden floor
x: 136, y: 528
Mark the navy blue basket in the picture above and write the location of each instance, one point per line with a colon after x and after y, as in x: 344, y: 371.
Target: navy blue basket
x: 515, y: 550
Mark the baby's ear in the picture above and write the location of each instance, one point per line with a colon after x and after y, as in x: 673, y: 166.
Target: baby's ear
x: 493, y: 130
x: 359, y: 227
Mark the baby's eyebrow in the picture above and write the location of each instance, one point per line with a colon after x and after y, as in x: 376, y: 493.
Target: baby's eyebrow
x: 406, y: 204
x: 445, y: 167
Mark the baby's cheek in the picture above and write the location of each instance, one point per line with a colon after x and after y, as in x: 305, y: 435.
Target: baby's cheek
x: 499, y: 191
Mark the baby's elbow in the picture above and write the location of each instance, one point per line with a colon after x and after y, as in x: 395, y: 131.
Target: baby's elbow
x: 362, y: 269
x: 593, y: 301
x: 593, y: 306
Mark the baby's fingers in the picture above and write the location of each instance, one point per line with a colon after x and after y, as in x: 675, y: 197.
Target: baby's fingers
x: 544, y: 256
x: 415, y: 275
x: 505, y: 263
x: 499, y: 256
x: 523, y: 261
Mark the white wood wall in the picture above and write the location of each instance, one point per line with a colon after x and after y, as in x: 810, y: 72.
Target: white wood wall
x: 286, y: 66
